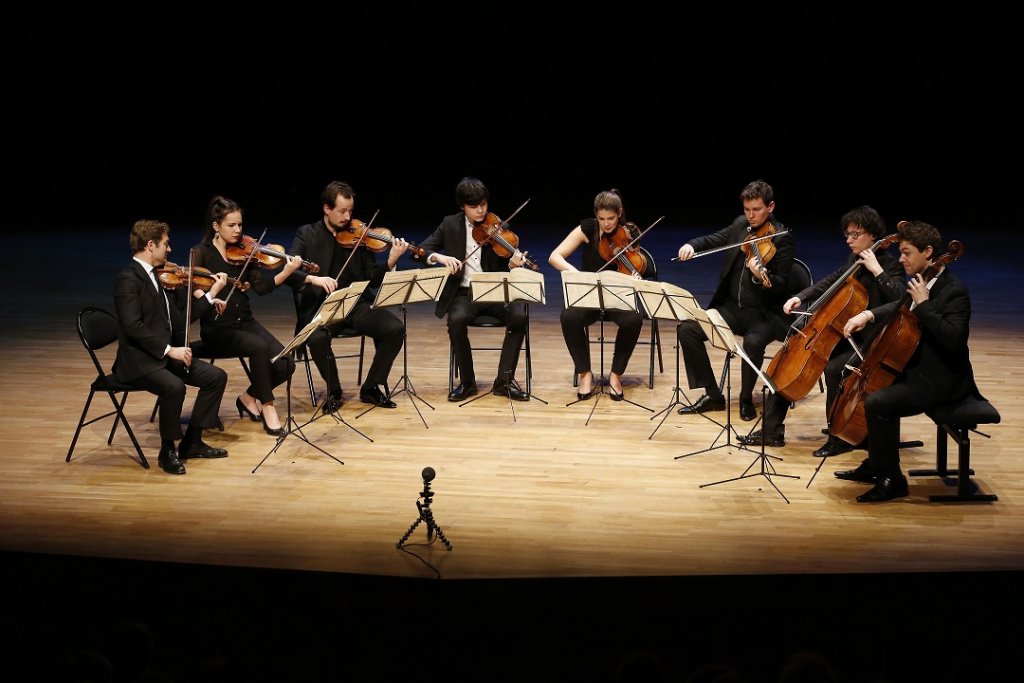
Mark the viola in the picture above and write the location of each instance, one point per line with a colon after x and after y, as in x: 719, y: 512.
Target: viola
x: 172, y: 276
x: 377, y: 240
x: 889, y: 354
x: 796, y: 367
x: 759, y: 246
x: 617, y: 246
x: 494, y: 231
x: 267, y: 255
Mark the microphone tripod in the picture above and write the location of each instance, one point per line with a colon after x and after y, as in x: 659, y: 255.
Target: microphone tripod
x: 425, y: 514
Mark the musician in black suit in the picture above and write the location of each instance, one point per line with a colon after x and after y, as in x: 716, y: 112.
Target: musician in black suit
x: 882, y: 278
x: 451, y: 244
x: 749, y: 298
x: 318, y: 243
x: 152, y: 353
x: 939, y: 371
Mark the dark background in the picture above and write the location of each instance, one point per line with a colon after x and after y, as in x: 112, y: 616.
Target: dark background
x: 117, y: 111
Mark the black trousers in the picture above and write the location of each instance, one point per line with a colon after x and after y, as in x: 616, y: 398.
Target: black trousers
x: 169, y: 385
x: 882, y: 410
x: 463, y: 311
x: 253, y: 341
x: 574, y: 329
x: 383, y: 327
x: 758, y: 332
x: 835, y: 370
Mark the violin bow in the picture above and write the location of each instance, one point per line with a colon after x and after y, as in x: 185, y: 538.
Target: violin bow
x: 248, y: 260
x: 631, y: 242
x: 504, y: 222
x: 366, y: 231
x: 730, y: 246
x: 188, y: 304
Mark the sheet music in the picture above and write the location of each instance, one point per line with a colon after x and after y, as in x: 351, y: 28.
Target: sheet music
x: 337, y: 306
x: 519, y: 284
x: 607, y: 290
x: 411, y: 286
x: 666, y: 301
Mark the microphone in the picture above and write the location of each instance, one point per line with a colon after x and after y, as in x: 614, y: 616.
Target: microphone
x: 428, y: 475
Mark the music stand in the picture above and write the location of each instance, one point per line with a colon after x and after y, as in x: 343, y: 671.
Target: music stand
x: 666, y: 301
x: 518, y: 284
x: 607, y: 290
x: 334, y: 309
x: 400, y: 288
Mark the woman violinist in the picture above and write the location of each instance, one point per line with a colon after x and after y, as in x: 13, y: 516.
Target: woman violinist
x: 235, y: 331
x: 596, y: 235
x: 938, y: 372
x: 881, y: 276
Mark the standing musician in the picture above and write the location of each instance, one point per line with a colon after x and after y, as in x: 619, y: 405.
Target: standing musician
x: 608, y: 218
x: 318, y: 243
x: 882, y: 277
x: 463, y: 256
x: 151, y: 320
x: 747, y: 304
x: 939, y: 371
x: 235, y: 331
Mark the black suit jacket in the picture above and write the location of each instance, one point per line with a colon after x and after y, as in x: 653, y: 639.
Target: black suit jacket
x: 145, y: 331
x: 940, y: 370
x: 450, y: 239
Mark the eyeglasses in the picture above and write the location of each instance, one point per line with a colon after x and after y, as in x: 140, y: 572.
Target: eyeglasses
x: 854, y: 234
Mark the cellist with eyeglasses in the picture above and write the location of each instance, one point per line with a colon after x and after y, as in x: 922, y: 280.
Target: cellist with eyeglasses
x: 880, y: 275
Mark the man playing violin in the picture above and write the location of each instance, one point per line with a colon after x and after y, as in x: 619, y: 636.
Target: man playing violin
x: 463, y: 257
x: 744, y: 298
x: 938, y: 372
x: 608, y: 219
x: 152, y: 353
x: 882, y: 277
x: 319, y: 243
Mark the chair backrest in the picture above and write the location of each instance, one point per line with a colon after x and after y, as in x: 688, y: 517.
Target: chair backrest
x: 97, y: 328
x: 799, y: 277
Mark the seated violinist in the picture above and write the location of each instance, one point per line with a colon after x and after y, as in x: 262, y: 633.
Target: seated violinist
x: 882, y: 277
x: 750, y: 293
x: 608, y: 221
x: 938, y: 372
x: 235, y: 330
x: 322, y: 243
x: 452, y: 245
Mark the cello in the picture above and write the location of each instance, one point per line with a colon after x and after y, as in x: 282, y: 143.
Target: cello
x: 889, y: 354
x: 799, y: 363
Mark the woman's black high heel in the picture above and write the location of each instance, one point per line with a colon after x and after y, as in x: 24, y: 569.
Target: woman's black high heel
x: 243, y: 411
x: 280, y: 431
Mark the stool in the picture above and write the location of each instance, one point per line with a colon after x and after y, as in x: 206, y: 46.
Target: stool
x: 957, y: 420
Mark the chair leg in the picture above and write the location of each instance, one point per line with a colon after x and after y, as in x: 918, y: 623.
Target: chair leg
x: 362, y: 348
x: 81, y: 424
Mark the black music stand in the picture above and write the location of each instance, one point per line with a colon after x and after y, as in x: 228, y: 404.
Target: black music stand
x: 665, y: 301
x: 607, y: 290
x: 519, y: 284
x: 400, y: 288
x: 334, y: 309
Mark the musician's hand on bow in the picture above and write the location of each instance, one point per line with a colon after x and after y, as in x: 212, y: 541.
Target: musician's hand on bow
x: 220, y: 306
x: 328, y: 284
x: 791, y: 305
x: 453, y: 264
x: 686, y: 252
x: 868, y: 259
x: 182, y: 353
x: 918, y: 289
x: 857, y: 323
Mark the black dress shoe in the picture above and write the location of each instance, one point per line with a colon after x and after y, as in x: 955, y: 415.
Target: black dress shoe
x: 332, y: 403
x: 243, y: 411
x: 833, y: 447
x: 273, y: 431
x: 584, y: 397
x: 510, y: 389
x: 169, y: 462
x: 863, y: 473
x: 462, y: 391
x: 747, y: 412
x: 201, y: 450
x: 755, y: 438
x: 377, y: 397
x: 704, y: 404
x: 886, y: 488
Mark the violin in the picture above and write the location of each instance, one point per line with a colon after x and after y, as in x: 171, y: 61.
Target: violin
x: 889, y: 354
x: 617, y: 246
x: 172, y: 276
x: 795, y: 369
x: 759, y: 246
x: 376, y: 240
x: 494, y: 231
x: 267, y: 255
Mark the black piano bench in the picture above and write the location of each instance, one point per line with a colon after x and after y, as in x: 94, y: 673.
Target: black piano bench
x: 958, y: 420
